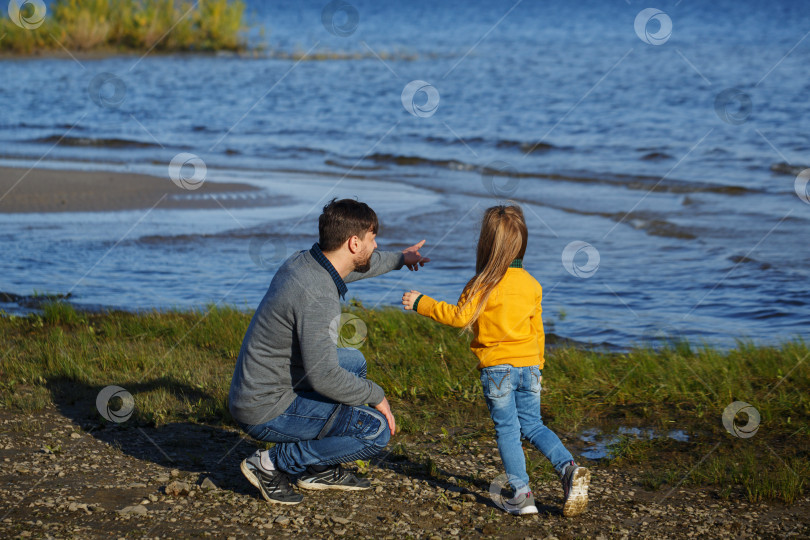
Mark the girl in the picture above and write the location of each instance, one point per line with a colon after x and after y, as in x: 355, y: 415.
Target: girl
x: 500, y: 305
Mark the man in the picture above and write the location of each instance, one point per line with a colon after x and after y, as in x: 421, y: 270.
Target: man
x: 292, y: 385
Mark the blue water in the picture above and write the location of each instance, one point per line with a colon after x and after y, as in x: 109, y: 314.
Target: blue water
x: 696, y: 235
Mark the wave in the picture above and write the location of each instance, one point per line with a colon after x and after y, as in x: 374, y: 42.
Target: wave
x: 47, y: 126
x: 654, y: 226
x: 635, y: 182
x: 91, y: 142
x: 416, y: 160
x: 655, y: 156
x: 526, y: 147
x: 523, y: 146
x: 354, y: 166
x: 31, y: 301
x: 786, y: 168
x: 741, y: 259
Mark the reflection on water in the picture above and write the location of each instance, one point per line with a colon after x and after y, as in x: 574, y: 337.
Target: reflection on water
x: 602, y: 446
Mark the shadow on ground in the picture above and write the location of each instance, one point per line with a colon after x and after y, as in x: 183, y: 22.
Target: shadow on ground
x: 211, y: 450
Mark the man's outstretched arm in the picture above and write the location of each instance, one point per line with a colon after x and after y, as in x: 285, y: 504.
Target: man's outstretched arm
x: 385, y: 261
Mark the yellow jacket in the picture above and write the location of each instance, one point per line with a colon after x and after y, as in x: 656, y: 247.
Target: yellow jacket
x: 509, y: 329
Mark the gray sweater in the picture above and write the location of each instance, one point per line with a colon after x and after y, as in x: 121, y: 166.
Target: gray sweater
x: 288, y: 347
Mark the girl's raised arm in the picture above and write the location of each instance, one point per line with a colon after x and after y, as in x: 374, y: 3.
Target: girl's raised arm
x: 452, y: 315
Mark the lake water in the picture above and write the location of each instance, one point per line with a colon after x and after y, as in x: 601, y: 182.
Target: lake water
x: 634, y: 149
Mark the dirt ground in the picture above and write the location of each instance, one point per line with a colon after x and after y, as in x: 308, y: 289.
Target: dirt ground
x: 64, y: 477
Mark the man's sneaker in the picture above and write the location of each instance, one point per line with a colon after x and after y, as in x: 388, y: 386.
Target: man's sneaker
x: 332, y: 478
x: 575, y: 483
x: 274, y: 485
x: 519, y: 505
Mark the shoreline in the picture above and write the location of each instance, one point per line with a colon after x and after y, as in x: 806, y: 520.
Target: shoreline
x: 55, y: 191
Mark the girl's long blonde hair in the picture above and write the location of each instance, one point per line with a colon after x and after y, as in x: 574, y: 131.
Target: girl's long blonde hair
x: 503, y: 238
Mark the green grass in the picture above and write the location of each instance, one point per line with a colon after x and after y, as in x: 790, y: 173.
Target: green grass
x: 178, y: 367
x: 125, y: 25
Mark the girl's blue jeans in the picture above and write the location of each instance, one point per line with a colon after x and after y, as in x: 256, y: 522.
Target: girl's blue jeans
x: 513, y: 398
x: 315, y: 430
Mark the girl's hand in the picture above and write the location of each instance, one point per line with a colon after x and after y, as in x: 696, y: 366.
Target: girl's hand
x: 409, y: 298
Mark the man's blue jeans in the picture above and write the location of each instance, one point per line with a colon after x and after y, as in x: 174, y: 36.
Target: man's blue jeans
x: 315, y: 430
x: 513, y: 399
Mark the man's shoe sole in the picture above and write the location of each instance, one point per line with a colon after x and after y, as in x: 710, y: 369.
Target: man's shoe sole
x: 577, y: 501
x: 255, y: 481
x: 311, y: 486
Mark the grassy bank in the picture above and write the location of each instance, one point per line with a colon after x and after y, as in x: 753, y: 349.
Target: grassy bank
x: 126, y: 25
x: 178, y: 368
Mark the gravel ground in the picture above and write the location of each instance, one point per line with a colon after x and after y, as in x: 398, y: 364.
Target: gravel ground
x: 63, y: 479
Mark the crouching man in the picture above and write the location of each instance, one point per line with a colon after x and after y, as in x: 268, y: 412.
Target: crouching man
x: 292, y: 385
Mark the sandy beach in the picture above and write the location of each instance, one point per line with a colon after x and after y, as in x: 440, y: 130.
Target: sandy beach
x: 45, y: 190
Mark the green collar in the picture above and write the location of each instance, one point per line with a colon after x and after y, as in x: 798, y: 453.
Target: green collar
x: 517, y: 263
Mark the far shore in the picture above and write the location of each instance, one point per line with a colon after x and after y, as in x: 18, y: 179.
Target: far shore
x: 255, y: 52
x: 46, y: 190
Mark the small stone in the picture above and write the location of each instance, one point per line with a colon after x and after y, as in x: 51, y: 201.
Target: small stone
x: 282, y: 520
x: 138, y: 509
x: 175, y: 473
x: 75, y: 435
x: 178, y: 489
x: 208, y: 484
x: 340, y: 520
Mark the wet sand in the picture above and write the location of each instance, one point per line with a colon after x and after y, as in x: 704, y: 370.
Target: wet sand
x: 45, y: 190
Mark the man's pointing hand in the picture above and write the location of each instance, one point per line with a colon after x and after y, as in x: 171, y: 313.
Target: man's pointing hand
x: 413, y: 260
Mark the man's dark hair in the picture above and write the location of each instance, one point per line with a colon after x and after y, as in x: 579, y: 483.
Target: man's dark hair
x: 342, y: 219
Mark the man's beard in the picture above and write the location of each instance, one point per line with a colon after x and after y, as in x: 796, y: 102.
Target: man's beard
x: 364, y: 266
